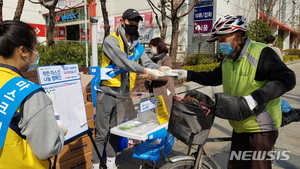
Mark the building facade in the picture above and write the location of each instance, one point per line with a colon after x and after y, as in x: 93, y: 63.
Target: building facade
x: 71, y: 24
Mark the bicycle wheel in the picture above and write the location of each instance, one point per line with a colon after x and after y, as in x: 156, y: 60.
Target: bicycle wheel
x: 185, y: 164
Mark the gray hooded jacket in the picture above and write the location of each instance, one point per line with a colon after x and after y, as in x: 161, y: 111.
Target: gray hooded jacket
x: 111, y: 48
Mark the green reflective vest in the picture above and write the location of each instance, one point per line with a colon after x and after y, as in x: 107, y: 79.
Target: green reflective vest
x: 238, y: 80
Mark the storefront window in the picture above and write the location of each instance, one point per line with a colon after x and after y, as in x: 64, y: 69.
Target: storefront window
x: 70, y: 25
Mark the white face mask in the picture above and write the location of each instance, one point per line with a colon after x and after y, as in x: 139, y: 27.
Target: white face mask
x: 153, y: 51
x: 34, y: 64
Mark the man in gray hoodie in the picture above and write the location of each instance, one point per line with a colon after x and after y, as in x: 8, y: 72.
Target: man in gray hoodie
x: 123, y: 53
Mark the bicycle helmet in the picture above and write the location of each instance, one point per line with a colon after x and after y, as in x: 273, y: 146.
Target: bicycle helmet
x: 228, y: 24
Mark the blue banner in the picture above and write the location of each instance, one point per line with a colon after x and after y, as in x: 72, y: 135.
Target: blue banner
x: 138, y: 51
x: 95, y: 82
x: 203, y: 13
x: 11, y: 95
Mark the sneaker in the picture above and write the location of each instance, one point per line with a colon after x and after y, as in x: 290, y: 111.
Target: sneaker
x: 111, y: 163
x: 96, y: 166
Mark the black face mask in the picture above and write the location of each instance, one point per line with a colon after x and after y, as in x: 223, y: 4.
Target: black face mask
x: 131, y: 29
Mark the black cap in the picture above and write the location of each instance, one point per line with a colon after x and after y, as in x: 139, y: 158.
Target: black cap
x: 132, y: 14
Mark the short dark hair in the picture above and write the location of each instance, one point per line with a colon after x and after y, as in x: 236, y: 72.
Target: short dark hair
x: 14, y: 34
x: 160, y: 44
x: 270, y: 39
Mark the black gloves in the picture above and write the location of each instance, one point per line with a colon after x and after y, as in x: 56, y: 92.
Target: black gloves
x: 232, y: 107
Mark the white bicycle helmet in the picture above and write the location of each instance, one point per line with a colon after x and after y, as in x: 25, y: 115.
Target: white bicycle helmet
x: 228, y: 24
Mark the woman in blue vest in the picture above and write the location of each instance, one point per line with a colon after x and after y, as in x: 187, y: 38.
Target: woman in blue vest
x: 253, y: 79
x: 28, y: 130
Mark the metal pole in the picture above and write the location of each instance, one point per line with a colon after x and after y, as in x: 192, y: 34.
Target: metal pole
x: 94, y: 58
x: 86, y: 36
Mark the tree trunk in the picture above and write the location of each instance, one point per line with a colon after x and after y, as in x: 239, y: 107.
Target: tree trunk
x: 163, y: 31
x: 174, y: 42
x: 105, y: 18
x: 50, y: 27
x: 1, y: 6
x: 19, y: 10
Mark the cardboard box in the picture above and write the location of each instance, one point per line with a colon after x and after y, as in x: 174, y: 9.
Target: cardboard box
x: 85, y: 80
x: 89, y: 109
x: 74, y: 149
x: 83, y: 161
x: 91, y: 123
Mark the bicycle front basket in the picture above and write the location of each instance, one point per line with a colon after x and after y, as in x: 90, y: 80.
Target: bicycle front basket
x: 190, y: 121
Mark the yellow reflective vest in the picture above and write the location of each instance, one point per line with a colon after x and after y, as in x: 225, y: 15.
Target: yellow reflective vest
x: 116, y: 81
x: 16, y: 152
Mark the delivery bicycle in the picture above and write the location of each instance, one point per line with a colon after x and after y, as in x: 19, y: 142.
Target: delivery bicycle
x: 196, y: 160
x: 190, y: 122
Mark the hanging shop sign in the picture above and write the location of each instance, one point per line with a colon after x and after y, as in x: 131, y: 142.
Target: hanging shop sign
x: 203, y: 13
x: 66, y: 17
x: 203, y: 16
x: 202, y: 26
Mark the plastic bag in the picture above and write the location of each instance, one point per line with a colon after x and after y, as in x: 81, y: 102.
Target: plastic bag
x: 285, y: 106
x: 292, y: 116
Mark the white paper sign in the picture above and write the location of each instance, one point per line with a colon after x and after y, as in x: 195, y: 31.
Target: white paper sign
x: 148, y: 104
x: 63, y: 86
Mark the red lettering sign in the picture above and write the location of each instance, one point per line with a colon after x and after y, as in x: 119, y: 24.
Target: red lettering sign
x: 146, y: 23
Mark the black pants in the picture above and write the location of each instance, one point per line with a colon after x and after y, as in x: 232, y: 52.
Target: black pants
x: 250, y: 150
x: 106, y: 118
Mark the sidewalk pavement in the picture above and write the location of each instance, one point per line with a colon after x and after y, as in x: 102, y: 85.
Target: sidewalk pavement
x: 288, y: 140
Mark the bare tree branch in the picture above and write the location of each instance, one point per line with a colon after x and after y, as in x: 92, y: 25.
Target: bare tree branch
x: 153, y: 7
x: 190, y: 10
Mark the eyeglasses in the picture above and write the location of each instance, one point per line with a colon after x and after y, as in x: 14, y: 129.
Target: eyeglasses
x: 36, y: 53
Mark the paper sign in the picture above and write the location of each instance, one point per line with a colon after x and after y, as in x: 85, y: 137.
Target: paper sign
x: 63, y: 85
x: 161, y: 111
x: 148, y: 104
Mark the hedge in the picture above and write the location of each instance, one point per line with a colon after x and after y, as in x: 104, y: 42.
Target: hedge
x: 200, y: 59
x: 202, y: 68
x: 292, y: 52
x: 288, y: 58
x: 66, y: 53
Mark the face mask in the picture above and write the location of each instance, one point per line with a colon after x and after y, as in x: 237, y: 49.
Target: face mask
x: 226, y: 48
x: 34, y: 64
x: 153, y: 51
x: 131, y: 29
